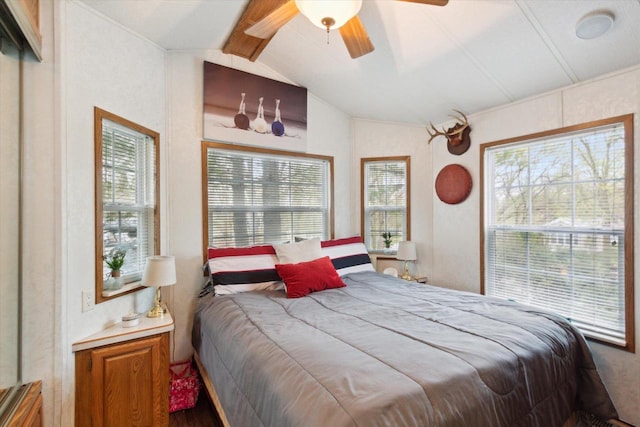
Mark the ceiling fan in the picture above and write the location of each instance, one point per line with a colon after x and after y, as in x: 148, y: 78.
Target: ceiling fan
x: 262, y: 19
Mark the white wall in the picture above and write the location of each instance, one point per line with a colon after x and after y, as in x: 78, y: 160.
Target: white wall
x: 41, y: 277
x: 456, y: 257
x: 328, y: 134
x: 9, y: 213
x: 102, y: 64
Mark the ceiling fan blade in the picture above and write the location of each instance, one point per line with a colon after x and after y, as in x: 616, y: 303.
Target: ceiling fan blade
x: 356, y: 38
x: 429, y: 2
x: 270, y: 24
x: 240, y: 44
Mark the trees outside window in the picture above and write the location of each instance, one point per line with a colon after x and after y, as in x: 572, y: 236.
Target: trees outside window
x: 558, y: 225
x: 253, y: 196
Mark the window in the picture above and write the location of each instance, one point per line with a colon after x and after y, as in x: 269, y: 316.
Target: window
x: 127, y: 214
x: 385, y: 195
x: 253, y: 196
x: 558, y: 225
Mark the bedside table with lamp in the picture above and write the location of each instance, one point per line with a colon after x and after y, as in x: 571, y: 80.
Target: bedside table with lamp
x: 122, y: 372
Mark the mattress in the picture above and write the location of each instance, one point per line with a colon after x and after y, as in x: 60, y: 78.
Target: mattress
x: 386, y: 352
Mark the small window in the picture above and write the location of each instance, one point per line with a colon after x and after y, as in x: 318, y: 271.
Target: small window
x: 127, y: 214
x: 253, y: 196
x: 385, y: 195
x: 558, y: 225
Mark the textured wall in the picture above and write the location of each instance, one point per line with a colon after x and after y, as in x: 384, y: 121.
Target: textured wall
x: 9, y: 213
x: 107, y: 66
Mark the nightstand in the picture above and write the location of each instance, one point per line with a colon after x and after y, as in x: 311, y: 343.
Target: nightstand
x: 122, y: 375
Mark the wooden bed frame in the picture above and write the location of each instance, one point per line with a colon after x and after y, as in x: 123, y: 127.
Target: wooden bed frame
x: 211, y: 391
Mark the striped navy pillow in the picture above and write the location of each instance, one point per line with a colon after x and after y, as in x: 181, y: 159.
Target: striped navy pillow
x: 348, y: 255
x: 235, y: 270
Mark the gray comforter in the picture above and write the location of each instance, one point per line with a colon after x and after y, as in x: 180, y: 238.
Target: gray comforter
x: 386, y: 352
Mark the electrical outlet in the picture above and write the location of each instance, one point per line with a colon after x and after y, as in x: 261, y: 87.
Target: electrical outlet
x: 88, y: 300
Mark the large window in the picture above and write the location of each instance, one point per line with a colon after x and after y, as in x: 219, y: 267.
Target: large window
x: 253, y: 196
x: 558, y: 225
x: 385, y: 195
x: 127, y: 214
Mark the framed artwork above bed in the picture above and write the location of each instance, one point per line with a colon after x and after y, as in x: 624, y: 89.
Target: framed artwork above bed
x: 244, y: 108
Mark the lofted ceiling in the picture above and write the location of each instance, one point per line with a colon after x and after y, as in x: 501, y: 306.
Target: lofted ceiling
x: 469, y: 55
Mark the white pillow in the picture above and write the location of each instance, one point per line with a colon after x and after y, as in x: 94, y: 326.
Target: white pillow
x: 293, y: 253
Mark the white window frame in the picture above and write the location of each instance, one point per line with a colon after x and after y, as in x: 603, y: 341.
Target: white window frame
x: 146, y: 205
x: 560, y: 235
x: 373, y: 238
x: 227, y: 239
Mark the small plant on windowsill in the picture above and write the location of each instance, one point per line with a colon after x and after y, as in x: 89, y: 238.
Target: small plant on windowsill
x: 115, y: 260
x: 387, y: 239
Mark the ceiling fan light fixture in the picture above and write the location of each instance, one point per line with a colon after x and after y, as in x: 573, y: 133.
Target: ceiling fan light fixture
x: 329, y: 14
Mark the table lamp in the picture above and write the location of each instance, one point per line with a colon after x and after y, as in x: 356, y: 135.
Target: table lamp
x: 160, y: 270
x: 406, y: 252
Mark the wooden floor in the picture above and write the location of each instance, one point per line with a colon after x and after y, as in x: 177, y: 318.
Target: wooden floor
x: 202, y: 415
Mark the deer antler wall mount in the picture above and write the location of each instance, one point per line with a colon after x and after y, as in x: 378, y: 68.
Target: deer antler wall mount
x: 458, y: 139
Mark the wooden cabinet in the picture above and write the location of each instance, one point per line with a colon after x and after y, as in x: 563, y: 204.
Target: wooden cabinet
x: 126, y: 382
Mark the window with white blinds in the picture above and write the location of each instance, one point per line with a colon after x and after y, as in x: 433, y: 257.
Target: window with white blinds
x: 558, y: 225
x: 385, y: 200
x: 265, y: 196
x: 127, y: 216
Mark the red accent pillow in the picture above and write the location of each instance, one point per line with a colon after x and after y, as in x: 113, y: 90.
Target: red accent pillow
x: 305, y: 277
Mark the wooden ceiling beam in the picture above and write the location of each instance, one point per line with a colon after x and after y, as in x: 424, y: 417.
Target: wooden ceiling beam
x: 240, y: 44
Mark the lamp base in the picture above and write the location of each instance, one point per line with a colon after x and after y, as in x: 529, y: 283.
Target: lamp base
x: 157, y: 310
x: 406, y: 275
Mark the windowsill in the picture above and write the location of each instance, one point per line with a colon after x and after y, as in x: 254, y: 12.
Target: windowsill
x: 126, y: 288
x: 382, y: 253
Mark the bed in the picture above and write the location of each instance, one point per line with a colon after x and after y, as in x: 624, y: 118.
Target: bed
x: 382, y: 351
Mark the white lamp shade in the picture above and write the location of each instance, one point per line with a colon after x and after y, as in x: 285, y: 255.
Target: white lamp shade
x: 160, y: 270
x: 406, y: 251
x: 340, y: 10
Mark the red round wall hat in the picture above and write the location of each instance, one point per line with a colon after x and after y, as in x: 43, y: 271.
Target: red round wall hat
x: 453, y: 184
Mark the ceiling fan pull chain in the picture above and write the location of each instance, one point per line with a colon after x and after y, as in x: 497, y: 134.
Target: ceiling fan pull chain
x: 328, y: 22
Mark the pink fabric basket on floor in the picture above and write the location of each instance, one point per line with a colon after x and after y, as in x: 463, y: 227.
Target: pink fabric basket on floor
x: 184, y: 387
